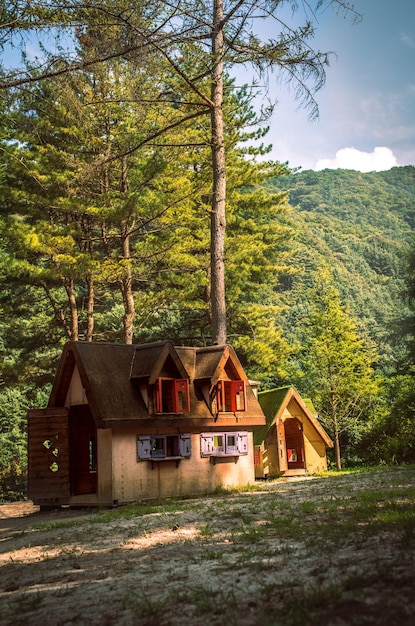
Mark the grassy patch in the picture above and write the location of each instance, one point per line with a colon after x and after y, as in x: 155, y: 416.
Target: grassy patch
x: 291, y: 553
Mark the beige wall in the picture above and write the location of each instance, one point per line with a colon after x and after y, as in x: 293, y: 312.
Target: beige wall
x: 270, y: 458
x: 314, y: 447
x: 136, y: 480
x: 105, y: 473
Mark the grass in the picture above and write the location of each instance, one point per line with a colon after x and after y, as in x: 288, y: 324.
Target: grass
x: 283, y: 555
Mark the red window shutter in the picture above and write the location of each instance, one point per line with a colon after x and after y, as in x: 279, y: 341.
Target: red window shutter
x: 230, y: 396
x: 238, y: 395
x: 181, y: 396
x: 229, y: 399
x: 220, y: 396
x: 158, y: 399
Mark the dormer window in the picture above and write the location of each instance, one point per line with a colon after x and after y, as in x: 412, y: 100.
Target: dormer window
x: 230, y: 396
x: 171, y: 395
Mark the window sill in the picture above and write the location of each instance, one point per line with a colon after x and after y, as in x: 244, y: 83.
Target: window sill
x: 214, y: 458
x: 176, y: 459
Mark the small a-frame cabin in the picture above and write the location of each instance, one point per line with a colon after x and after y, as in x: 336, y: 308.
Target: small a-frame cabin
x: 132, y: 422
x: 292, y: 442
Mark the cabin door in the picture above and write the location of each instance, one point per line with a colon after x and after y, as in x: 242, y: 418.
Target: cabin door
x: 294, y: 441
x: 83, y: 454
x: 48, y: 454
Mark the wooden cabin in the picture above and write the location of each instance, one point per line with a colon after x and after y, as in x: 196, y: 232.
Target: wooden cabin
x: 292, y: 442
x: 132, y: 422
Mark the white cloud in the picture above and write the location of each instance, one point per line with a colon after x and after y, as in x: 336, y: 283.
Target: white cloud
x: 352, y: 159
x: 407, y: 39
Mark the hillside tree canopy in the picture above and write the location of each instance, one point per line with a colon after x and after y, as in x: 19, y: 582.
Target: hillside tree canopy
x: 199, y: 42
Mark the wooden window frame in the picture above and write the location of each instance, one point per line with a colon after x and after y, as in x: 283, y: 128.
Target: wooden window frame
x: 175, y: 392
x: 224, y: 444
x: 229, y: 394
x: 149, y: 448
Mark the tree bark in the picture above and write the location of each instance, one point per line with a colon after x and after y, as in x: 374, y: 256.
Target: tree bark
x: 337, y: 453
x: 73, y: 308
x: 127, y: 273
x: 126, y: 285
x: 218, y: 215
x: 90, y: 309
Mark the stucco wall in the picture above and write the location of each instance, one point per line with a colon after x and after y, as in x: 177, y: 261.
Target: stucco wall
x: 136, y: 480
x: 105, y: 466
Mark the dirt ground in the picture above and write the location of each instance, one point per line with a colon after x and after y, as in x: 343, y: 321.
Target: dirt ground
x: 293, y: 552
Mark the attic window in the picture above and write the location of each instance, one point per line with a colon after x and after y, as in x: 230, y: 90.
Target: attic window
x: 171, y: 395
x: 230, y: 396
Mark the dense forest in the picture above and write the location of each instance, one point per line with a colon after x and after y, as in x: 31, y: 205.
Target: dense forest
x: 347, y: 251
x: 113, y: 185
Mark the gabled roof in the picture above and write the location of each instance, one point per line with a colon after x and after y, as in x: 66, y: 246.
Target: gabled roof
x: 111, y: 375
x: 274, y: 403
x: 149, y: 360
x: 104, y: 369
x: 212, y: 361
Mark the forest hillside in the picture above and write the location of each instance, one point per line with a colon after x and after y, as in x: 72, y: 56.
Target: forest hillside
x: 362, y: 226
x: 319, y: 287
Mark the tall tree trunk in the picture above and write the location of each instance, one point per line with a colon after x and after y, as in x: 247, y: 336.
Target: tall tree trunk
x: 337, y: 453
x: 127, y: 274
x: 218, y: 216
x: 73, y: 308
x: 90, y: 309
x: 333, y: 405
x: 127, y: 292
x: 334, y: 417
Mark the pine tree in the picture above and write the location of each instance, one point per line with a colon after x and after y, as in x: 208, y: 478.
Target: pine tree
x: 196, y: 40
x: 337, y: 365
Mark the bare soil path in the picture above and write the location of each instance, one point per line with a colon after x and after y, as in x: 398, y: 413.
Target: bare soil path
x: 334, y: 551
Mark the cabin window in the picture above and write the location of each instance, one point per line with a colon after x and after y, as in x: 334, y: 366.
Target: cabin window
x: 93, y: 455
x: 223, y: 444
x: 157, y: 447
x: 230, y: 396
x: 171, y: 396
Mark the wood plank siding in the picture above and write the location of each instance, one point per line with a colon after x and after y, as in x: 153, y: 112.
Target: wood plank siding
x: 48, y: 454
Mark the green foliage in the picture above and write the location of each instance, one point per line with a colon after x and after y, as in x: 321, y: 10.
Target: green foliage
x: 106, y: 190
x: 359, y: 225
x: 335, y: 365
x: 14, y: 403
x: 391, y: 438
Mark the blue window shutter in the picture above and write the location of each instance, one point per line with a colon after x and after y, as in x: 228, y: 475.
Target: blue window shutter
x: 243, y: 443
x: 143, y: 448
x: 206, y: 444
x: 185, y: 444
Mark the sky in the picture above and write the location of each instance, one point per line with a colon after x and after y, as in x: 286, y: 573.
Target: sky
x: 367, y: 106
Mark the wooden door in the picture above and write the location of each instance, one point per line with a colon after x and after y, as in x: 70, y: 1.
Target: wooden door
x: 83, y: 453
x: 294, y: 441
x: 281, y: 447
x: 48, y: 454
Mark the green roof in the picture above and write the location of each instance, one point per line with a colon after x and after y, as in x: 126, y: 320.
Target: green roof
x: 270, y: 401
x: 310, y: 406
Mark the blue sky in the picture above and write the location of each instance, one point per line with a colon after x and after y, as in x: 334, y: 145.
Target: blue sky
x: 367, y: 107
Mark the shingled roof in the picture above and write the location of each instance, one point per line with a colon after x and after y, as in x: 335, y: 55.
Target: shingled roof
x: 111, y: 375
